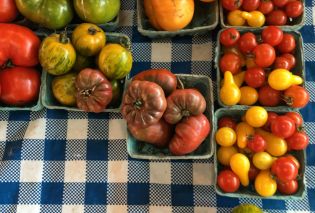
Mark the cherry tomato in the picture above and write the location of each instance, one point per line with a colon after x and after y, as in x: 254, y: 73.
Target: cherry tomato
x: 277, y: 18
x: 265, y: 55
x: 256, y: 143
x: 225, y: 136
x: 290, y: 58
x: 280, y: 3
x: 247, y: 42
x: 255, y: 77
x: 296, y: 96
x: 294, y: 159
x: 256, y: 116
x: 250, y: 5
x: 287, y: 187
x: 249, y: 96
x: 225, y: 153
x: 234, y: 49
x: 271, y: 117
x: 227, y: 122
x: 266, y: 6
x: 298, y: 120
x: 298, y: 141
x: 285, y: 169
x: 228, y: 181
x: 268, y: 96
x: 8, y: 11
x: 229, y: 37
x: 272, y: 35
x: 287, y: 44
x: 231, y: 4
x: 282, y: 63
x: 253, y: 172
x: 294, y: 9
x: 283, y: 126
x: 230, y: 62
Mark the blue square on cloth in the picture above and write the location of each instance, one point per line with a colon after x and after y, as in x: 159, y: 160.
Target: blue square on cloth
x: 181, y: 67
x: 309, y: 73
x: 57, y: 114
x: 96, y: 193
x: 182, y: 195
x: 139, y: 66
x: 13, y: 150
x: 137, y: 37
x: 138, y: 193
x: 97, y: 150
x: 55, y: 150
x: 310, y: 154
x: 307, y: 112
x: 51, y: 193
x: 19, y: 116
x: 9, y: 192
x: 308, y: 34
x: 273, y: 204
x: 102, y: 115
x: 311, y: 198
x: 227, y: 202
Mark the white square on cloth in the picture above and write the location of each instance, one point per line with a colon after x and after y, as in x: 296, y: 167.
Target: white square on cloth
x: 72, y: 208
x: 126, y: 18
x: 160, y: 173
x: 201, y: 52
x: 28, y: 209
x: 203, y: 174
x: 159, y: 209
x: 117, y: 129
x: 75, y: 171
x: 77, y: 129
x: 36, y: 129
x: 116, y: 208
x: 117, y: 171
x: 205, y: 210
x: 31, y: 171
x: 3, y: 130
x: 161, y: 52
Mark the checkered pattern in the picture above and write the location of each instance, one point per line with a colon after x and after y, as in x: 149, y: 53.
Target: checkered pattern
x: 59, y: 161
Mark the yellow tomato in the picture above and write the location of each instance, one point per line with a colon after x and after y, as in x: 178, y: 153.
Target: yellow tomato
x: 265, y: 185
x: 256, y: 116
x: 225, y: 154
x: 235, y: 18
x: 275, y: 146
x: 240, y: 166
x: 243, y: 130
x: 254, y: 18
x: 249, y: 95
x: 230, y: 94
x: 225, y: 136
x: 282, y: 79
x: 263, y: 160
x: 239, y: 78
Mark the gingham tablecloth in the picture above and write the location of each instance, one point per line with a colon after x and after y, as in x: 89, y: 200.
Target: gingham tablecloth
x: 59, y: 161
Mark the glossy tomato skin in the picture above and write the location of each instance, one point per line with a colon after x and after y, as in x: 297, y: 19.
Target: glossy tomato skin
x: 268, y: 96
x: 294, y: 9
x: 265, y: 55
x: 288, y: 187
x: 287, y: 44
x: 8, y: 11
x: 230, y: 62
x: 282, y: 63
x: 290, y: 58
x: 266, y: 6
x: 284, y: 169
x: 247, y: 42
x: 298, y: 141
x: 298, y: 120
x: 229, y: 37
x: 296, y: 96
x: 189, y: 134
x: 272, y: 35
x: 227, y: 122
x: 280, y: 3
x: 255, y: 77
x: 19, y: 45
x: 256, y: 143
x: 228, y: 181
x: 283, y: 126
x: 277, y: 18
x: 19, y: 86
x: 231, y: 4
x: 271, y: 117
x: 250, y: 5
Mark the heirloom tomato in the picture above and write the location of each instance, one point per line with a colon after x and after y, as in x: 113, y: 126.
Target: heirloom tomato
x: 64, y: 90
x: 298, y: 141
x: 228, y: 181
x: 268, y: 96
x: 230, y: 62
x: 277, y: 18
x: 285, y: 169
x: 8, y: 10
x: 143, y: 103
x: 296, y: 96
x: 231, y: 4
x: 265, y: 185
x: 288, y: 187
x: 229, y: 37
x: 82, y: 62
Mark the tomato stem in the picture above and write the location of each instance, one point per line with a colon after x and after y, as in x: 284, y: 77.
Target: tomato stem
x: 87, y: 92
x: 63, y: 38
x: 93, y: 31
x: 138, y: 104
x: 185, y: 113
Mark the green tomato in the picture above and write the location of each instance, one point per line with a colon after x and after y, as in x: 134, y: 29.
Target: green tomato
x: 117, y: 87
x: 247, y: 208
x: 64, y: 90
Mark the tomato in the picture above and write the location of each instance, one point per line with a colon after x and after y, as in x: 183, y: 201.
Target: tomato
x: 158, y: 134
x: 243, y: 131
x: 288, y: 187
x: 240, y: 166
x: 268, y: 96
x: 290, y: 58
x: 282, y: 79
x: 276, y: 146
x: 250, y: 62
x: 225, y: 153
x: 117, y: 89
x: 229, y: 94
x: 285, y: 169
x: 82, y: 62
x: 234, y: 49
x: 282, y: 63
x: 229, y: 37
x: 294, y: 160
x: 64, y: 90
x: 231, y: 4
x: 296, y: 96
x: 253, y: 172
x: 143, y: 103
x: 271, y: 117
x: 227, y: 122
x: 235, y: 18
x: 266, y: 6
x: 277, y: 18
x: 247, y: 42
x: 14, y: 37
x: 256, y: 143
x: 228, y: 181
x: 296, y: 117
x: 263, y: 160
x: 255, y: 77
x: 272, y: 35
x: 280, y: 3
x: 189, y: 134
x: 8, y: 11
x: 256, y: 116
x: 265, y: 55
x: 283, y: 126
x: 298, y: 141
x: 265, y: 185
x: 294, y: 9
x: 225, y: 136
x: 249, y: 96
x: 230, y: 62
x: 250, y: 5
x: 19, y: 86
x: 94, y: 91
x: 287, y: 44
x: 163, y: 77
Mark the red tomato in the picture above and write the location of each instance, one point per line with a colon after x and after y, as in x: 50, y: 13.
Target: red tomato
x: 298, y: 141
x: 253, y: 172
x: 280, y: 3
x: 8, y: 11
x: 227, y: 122
x: 228, y: 181
x: 298, y: 120
x: 296, y: 96
x: 283, y: 126
x: 229, y: 37
x: 272, y: 35
x: 266, y: 6
x: 277, y: 18
x: 271, y: 117
x: 268, y: 96
x: 287, y: 187
x: 294, y: 9
x: 255, y: 77
x: 256, y: 143
x: 19, y: 86
x: 231, y: 4
x: 290, y: 58
x: 294, y: 159
x: 250, y: 5
x: 265, y: 55
x: 285, y: 169
x: 287, y: 44
x: 282, y: 63
x: 230, y: 62
x: 247, y: 42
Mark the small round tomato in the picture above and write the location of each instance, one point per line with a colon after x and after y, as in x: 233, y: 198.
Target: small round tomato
x: 294, y: 9
x: 287, y: 44
x: 249, y: 96
x: 250, y: 5
x: 285, y: 169
x: 263, y: 160
x: 298, y: 141
x: 272, y: 35
x: 227, y: 122
x: 247, y: 42
x: 296, y: 96
x: 282, y: 63
x: 256, y: 116
x: 280, y: 3
x: 265, y: 55
x: 290, y: 58
x: 268, y: 96
x: 229, y: 37
x: 297, y: 163
x: 228, y: 181
x: 231, y: 4
x: 265, y: 185
x: 283, y: 126
x: 296, y: 117
x: 230, y: 62
x: 277, y: 18
x: 225, y: 153
x: 255, y: 77
x: 8, y: 11
x: 287, y: 187
x: 234, y: 49
x: 253, y: 172
x: 266, y: 6
x: 271, y: 117
x: 256, y: 143
x: 225, y: 136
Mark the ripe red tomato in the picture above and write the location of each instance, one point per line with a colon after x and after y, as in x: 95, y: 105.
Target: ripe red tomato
x: 294, y: 9
x: 297, y: 163
x: 283, y: 126
x: 271, y: 117
x: 253, y: 172
x: 287, y: 187
x: 268, y: 96
x: 285, y: 169
x: 265, y: 55
x: 19, y: 86
x: 290, y: 58
x: 229, y: 37
x: 266, y: 6
x: 296, y: 96
x: 227, y: 122
x: 228, y: 181
x: 298, y: 141
x: 256, y: 143
x: 255, y: 77
x: 287, y: 44
x: 280, y: 3
x: 277, y: 18
x: 230, y: 62
x: 8, y: 11
x: 282, y: 63
x: 298, y: 120
x: 272, y: 35
x: 231, y: 4
x: 247, y: 42
x: 250, y: 5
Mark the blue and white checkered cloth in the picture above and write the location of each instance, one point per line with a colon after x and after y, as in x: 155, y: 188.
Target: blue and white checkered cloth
x: 59, y: 161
